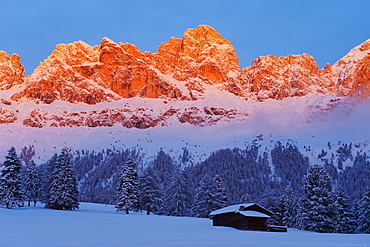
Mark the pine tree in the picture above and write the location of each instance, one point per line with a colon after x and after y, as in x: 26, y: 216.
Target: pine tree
x: 277, y: 208
x: 46, y: 171
x: 32, y: 185
x: 176, y: 194
x: 317, y: 206
x: 288, y: 207
x: 63, y: 191
x: 345, y: 216
x: 203, y: 204
x: 151, y: 192
x: 220, y: 199
x: 363, y: 222
x: 128, y: 189
x: 246, y: 198
x: 10, y: 181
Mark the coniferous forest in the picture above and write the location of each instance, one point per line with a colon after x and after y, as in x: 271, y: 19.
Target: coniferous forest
x: 322, y: 198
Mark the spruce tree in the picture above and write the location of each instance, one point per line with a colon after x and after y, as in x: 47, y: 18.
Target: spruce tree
x: 32, y: 184
x: 128, y: 189
x: 203, y: 204
x: 176, y: 194
x: 246, y: 198
x: 363, y: 222
x: 317, y: 205
x: 288, y: 207
x: 45, y: 172
x: 345, y: 216
x: 277, y: 208
x: 11, y: 195
x: 151, y: 192
x: 63, y: 190
x: 220, y: 198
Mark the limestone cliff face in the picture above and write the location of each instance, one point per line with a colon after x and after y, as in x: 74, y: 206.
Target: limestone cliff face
x: 11, y: 71
x: 201, y: 53
x: 350, y: 75
x: 78, y: 72
x: 181, y: 69
x: 123, y: 70
x: 57, y: 78
x: 272, y: 77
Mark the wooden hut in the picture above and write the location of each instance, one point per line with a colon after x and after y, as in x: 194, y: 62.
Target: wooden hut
x: 250, y: 216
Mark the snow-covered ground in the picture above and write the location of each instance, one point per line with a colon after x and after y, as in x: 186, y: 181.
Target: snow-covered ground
x: 100, y: 225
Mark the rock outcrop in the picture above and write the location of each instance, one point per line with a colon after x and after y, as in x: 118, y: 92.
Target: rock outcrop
x: 57, y: 78
x: 201, y: 53
x: 272, y: 77
x: 11, y: 71
x: 141, y: 118
x: 350, y: 75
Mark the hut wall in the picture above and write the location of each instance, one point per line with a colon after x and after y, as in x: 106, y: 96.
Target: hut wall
x: 256, y: 223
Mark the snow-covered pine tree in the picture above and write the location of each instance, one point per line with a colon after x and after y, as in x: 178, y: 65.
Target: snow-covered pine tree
x: 151, y: 192
x: 317, y: 205
x: 45, y: 172
x: 32, y: 184
x: 246, y: 198
x: 346, y: 222
x: 220, y: 198
x: 128, y: 189
x: 11, y: 195
x: 363, y: 221
x: 203, y: 202
x: 63, y: 190
x: 288, y: 207
x: 277, y: 207
x: 176, y: 194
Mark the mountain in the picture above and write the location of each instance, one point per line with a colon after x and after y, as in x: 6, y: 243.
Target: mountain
x: 193, y: 81
x: 181, y: 70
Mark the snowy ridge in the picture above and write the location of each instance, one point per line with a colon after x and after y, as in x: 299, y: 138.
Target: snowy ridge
x: 310, y: 121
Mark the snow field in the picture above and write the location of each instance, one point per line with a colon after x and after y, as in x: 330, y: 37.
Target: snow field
x: 100, y: 225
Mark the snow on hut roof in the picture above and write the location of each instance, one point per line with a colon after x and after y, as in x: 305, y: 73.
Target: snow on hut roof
x: 252, y: 213
x: 243, y: 209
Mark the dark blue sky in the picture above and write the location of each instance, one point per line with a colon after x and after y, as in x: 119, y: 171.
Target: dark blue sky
x: 326, y: 29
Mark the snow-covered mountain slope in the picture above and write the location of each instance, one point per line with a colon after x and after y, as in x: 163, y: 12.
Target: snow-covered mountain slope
x: 220, y: 120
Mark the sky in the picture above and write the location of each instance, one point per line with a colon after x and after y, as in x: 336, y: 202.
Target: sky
x: 327, y: 30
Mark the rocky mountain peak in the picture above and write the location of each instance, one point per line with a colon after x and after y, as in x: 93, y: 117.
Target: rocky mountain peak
x: 201, y: 53
x: 351, y: 74
x: 280, y: 77
x: 181, y: 69
x: 70, y: 54
x: 11, y: 70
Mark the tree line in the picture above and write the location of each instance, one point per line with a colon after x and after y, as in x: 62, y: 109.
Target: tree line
x: 302, y: 195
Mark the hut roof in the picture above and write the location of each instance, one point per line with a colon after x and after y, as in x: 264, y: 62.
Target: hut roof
x: 249, y: 210
x: 251, y: 213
